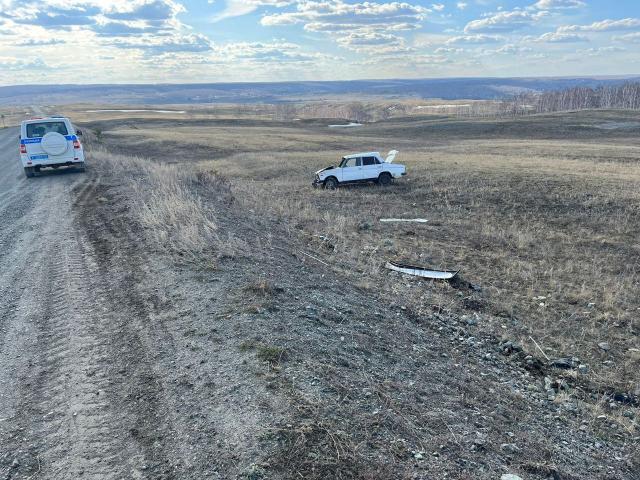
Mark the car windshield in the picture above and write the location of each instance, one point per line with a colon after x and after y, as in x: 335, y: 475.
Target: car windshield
x: 40, y: 129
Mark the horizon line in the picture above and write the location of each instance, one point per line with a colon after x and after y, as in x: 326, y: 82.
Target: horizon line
x: 528, y: 77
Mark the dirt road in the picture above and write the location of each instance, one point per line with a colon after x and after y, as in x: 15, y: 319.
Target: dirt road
x: 56, y: 410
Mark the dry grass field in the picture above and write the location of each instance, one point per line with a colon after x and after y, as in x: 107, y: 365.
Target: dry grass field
x: 547, y: 228
x: 539, y: 214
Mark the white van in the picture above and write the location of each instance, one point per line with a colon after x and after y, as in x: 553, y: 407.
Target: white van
x: 49, y: 143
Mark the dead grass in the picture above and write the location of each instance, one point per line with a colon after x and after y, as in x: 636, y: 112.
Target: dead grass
x: 169, y: 208
x: 541, y: 213
x: 557, y: 220
x: 271, y: 354
x: 261, y: 288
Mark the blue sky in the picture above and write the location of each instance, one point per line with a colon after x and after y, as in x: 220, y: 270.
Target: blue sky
x: 139, y: 41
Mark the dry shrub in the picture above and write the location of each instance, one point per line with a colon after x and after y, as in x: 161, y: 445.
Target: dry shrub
x: 315, y: 449
x: 169, y: 205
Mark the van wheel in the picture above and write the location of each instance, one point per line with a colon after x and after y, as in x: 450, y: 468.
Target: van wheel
x: 384, y: 179
x: 29, y: 172
x: 331, y: 183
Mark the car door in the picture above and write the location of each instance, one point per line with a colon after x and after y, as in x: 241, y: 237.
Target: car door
x: 351, y: 170
x: 371, y: 167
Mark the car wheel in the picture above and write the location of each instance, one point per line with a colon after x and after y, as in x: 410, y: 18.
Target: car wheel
x: 28, y: 171
x: 331, y: 183
x: 384, y: 179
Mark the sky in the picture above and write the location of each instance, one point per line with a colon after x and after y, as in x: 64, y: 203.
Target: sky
x: 199, y: 41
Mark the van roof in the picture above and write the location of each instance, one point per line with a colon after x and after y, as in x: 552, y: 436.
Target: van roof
x: 44, y: 119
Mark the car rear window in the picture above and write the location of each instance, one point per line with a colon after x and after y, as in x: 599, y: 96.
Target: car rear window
x: 40, y: 129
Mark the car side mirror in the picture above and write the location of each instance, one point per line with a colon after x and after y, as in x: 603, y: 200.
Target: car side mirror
x: 79, y: 133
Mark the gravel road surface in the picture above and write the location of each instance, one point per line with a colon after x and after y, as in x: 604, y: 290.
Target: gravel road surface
x: 56, y: 414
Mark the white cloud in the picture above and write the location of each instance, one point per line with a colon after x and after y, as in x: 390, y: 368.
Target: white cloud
x: 448, y: 50
x: 474, y: 39
x: 335, y: 15
x: 596, y: 52
x: 265, y: 52
x: 156, y: 45
x: 559, y: 4
x: 373, y: 42
x: 560, y: 37
x: 149, y: 26
x: 505, y: 22
x: 359, y: 24
x: 461, y: 5
x: 19, y: 64
x: 511, y: 49
x: 438, y: 7
x: 628, y: 38
x: 604, y: 26
x: 236, y: 8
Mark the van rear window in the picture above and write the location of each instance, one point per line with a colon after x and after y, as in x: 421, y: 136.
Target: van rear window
x: 39, y: 130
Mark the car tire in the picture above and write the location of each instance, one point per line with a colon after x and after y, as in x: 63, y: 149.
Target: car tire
x: 29, y: 172
x: 384, y: 179
x: 331, y: 183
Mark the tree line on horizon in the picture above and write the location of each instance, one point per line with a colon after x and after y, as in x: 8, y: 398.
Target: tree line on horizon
x: 609, y: 97
x: 614, y: 97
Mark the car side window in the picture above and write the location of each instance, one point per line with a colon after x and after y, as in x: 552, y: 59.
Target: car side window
x: 352, y: 162
x: 369, y: 161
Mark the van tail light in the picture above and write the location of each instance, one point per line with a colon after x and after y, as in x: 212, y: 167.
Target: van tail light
x: 76, y: 144
x: 23, y: 148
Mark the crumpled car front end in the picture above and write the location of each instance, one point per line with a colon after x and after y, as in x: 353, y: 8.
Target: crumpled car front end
x: 320, y: 176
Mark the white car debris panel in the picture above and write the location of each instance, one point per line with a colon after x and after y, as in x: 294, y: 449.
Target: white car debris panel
x: 404, y: 220
x: 361, y: 167
x: 421, y: 271
x: 50, y: 142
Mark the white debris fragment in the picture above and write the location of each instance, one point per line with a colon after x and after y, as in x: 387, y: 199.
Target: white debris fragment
x: 411, y: 220
x: 348, y: 125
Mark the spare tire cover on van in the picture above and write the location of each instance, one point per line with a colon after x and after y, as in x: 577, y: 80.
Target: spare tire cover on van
x: 54, y: 144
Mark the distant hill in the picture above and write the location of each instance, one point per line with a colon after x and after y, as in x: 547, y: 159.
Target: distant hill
x: 445, y: 88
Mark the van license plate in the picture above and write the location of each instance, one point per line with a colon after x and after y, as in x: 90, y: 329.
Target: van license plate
x: 39, y: 157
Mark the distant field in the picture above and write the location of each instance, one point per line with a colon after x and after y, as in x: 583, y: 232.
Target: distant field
x: 541, y: 213
x: 256, y: 93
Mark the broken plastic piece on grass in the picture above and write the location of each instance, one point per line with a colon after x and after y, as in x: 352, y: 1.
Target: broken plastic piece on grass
x: 412, y: 220
x: 348, y: 125
x: 422, y: 272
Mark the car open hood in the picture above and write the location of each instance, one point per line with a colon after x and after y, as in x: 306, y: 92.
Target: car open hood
x: 391, y: 156
x: 323, y: 169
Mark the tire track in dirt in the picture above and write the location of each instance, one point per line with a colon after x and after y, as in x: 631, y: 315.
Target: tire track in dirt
x: 75, y: 422
x: 148, y: 348
x: 200, y: 408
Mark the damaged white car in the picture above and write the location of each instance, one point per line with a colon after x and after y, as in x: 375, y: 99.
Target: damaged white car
x: 361, y: 167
